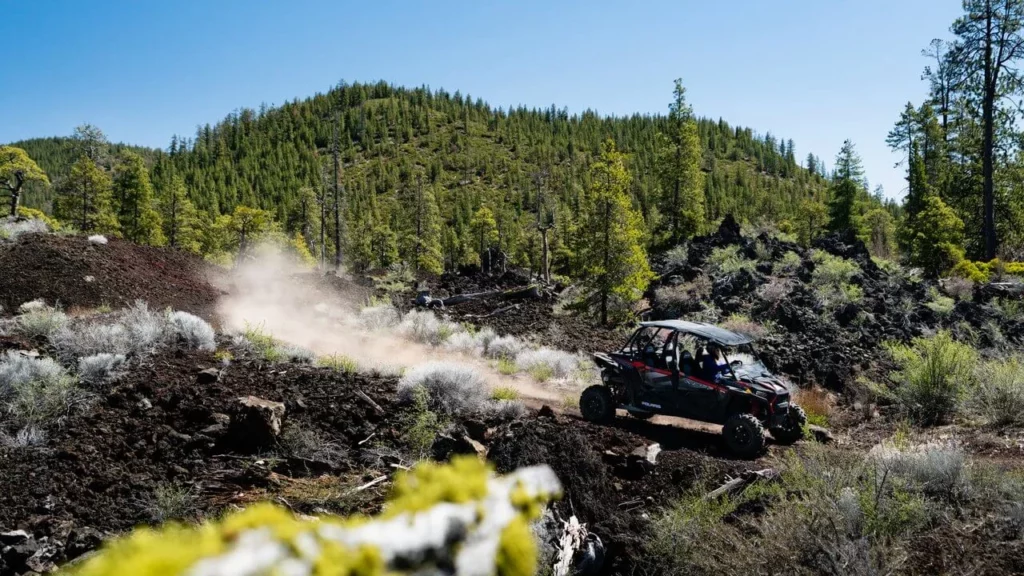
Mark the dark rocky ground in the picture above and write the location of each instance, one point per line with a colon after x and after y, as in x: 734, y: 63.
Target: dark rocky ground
x: 70, y: 271
x: 167, y: 426
x: 814, y: 344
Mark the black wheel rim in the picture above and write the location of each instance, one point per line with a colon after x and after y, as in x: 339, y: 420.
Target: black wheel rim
x: 594, y: 405
x: 741, y: 435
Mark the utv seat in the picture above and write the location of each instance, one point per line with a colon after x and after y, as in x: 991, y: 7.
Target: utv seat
x: 686, y: 363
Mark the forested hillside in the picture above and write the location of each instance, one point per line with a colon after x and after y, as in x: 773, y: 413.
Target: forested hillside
x: 56, y: 154
x: 466, y: 174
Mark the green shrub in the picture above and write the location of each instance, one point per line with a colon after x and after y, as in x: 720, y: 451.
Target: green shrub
x: 742, y: 324
x: 424, y: 424
x: 941, y: 305
x: 969, y: 270
x: 507, y: 366
x: 789, y: 264
x: 35, y: 391
x: 682, y: 534
x: 1012, y: 308
x: 762, y: 252
x: 832, y: 279
x: 173, y: 501
x: 339, y: 363
x: 541, y: 372
x: 985, y: 271
x: 933, y: 376
x: 43, y: 322
x: 677, y: 256
x: 727, y: 261
x: 999, y: 397
x: 504, y: 393
x: 262, y: 342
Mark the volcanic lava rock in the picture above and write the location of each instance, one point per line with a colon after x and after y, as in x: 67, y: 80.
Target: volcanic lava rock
x: 255, y: 424
x: 208, y: 376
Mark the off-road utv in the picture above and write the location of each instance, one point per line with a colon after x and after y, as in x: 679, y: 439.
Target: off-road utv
x: 663, y: 369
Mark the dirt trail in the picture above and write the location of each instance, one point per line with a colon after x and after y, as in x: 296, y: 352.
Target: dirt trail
x: 267, y: 295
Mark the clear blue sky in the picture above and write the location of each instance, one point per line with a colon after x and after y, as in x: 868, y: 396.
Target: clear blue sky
x: 816, y: 71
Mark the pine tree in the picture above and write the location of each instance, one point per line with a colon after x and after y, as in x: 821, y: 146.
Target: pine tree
x: 811, y: 221
x: 612, y: 236
x: 680, y: 169
x: 879, y: 233
x: 300, y: 249
x: 422, y: 235
x: 990, y: 46
x: 847, y: 186
x: 812, y: 163
x: 178, y: 215
x: 16, y: 168
x: 936, y: 238
x: 133, y: 193
x: 84, y: 199
x: 248, y: 226
x: 485, y: 231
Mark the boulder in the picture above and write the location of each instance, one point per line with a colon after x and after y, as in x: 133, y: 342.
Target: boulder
x: 447, y: 445
x: 476, y: 430
x: 13, y: 537
x: 820, y: 434
x: 208, y: 376
x: 255, y: 424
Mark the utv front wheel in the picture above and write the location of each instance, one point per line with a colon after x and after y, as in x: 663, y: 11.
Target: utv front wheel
x: 792, y: 429
x: 744, y: 435
x: 596, y: 404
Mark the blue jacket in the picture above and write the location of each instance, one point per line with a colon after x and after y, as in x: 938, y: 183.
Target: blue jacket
x: 710, y: 368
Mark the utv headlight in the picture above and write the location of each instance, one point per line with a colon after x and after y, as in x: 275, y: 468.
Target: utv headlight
x: 761, y: 394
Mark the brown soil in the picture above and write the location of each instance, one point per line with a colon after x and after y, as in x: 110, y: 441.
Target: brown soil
x: 72, y: 272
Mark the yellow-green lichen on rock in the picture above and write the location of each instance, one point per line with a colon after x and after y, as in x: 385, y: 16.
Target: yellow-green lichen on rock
x: 463, y: 480
x: 457, y: 514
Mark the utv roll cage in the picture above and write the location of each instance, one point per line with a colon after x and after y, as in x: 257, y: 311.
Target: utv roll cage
x: 666, y: 357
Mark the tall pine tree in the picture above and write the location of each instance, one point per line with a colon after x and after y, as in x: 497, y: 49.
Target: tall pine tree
x: 85, y: 199
x: 847, y: 187
x: 133, y: 193
x: 178, y: 216
x: 613, y: 257
x: 682, y: 180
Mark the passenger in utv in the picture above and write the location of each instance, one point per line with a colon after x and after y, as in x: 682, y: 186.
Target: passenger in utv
x: 709, y: 366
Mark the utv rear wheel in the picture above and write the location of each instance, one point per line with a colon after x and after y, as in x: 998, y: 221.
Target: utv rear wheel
x: 793, y: 428
x: 596, y: 404
x: 744, y: 435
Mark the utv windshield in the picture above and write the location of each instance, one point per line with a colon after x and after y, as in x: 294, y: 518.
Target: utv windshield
x: 745, y: 362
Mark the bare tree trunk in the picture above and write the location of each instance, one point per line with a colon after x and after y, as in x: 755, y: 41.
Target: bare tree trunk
x: 174, y: 219
x: 607, y: 257
x: 85, y: 207
x: 419, y: 222
x: 675, y: 193
x: 988, y: 126
x: 337, y: 204
x: 323, y: 231
x: 19, y: 180
x: 545, y: 254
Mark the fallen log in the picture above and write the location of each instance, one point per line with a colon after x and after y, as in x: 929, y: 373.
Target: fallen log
x: 573, y: 536
x: 740, y: 483
x: 376, y: 407
x: 369, y: 484
x: 497, y: 312
x: 423, y: 299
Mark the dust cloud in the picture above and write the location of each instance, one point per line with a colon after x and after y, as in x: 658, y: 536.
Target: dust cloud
x: 287, y: 302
